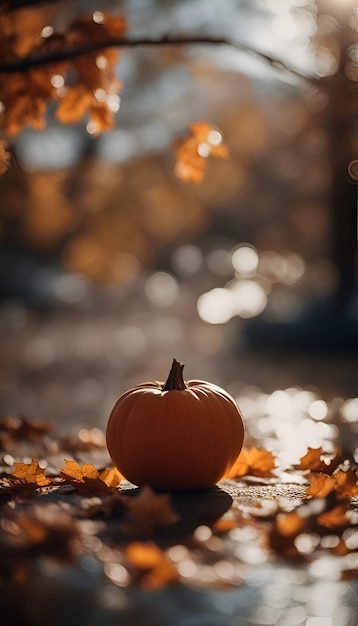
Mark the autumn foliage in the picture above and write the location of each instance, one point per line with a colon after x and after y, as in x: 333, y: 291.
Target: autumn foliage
x: 73, y: 69
x: 142, y: 535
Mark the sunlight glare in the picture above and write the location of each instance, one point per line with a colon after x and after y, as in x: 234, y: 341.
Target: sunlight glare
x: 249, y: 299
x: 98, y: 17
x: 204, y: 149
x: 285, y: 27
x: 215, y: 138
x: 57, y: 80
x: 245, y: 260
x: 47, y: 31
x: 350, y: 410
x: 215, y: 306
x: 318, y: 410
x: 162, y: 288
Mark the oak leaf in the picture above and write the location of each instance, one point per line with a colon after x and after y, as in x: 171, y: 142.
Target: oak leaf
x: 192, y: 151
x: 154, y: 569
x: 321, y: 485
x: 254, y: 462
x: 148, y: 512
x: 31, y: 473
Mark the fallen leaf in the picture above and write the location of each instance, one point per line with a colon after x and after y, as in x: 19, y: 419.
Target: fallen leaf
x: 254, y: 462
x: 311, y: 460
x: 336, y: 517
x: 87, y: 480
x: 316, y: 460
x: 31, y: 473
x: 111, y: 476
x: 321, y: 485
x: 148, y: 512
x: 289, y: 524
x: 346, y: 483
x: 154, y: 569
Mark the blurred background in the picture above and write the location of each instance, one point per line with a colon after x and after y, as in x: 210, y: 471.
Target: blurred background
x: 111, y: 266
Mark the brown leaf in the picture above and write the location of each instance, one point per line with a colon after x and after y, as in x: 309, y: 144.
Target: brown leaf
x: 346, y: 483
x: 321, y: 485
x: 154, y: 570
x: 149, y: 512
x: 316, y: 460
x: 289, y: 524
x: 87, y: 479
x: 111, y: 476
x: 254, y: 462
x: 192, y: 151
x: 31, y: 473
x: 75, y: 104
x: 336, y: 517
x: 311, y: 460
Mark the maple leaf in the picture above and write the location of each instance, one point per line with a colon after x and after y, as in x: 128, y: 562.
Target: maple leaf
x: 111, y: 476
x: 88, y: 480
x: 154, y: 570
x: 74, y: 105
x: 148, y: 512
x: 336, y: 517
x: 314, y: 460
x: 192, y: 151
x: 321, y: 485
x: 346, y: 484
x: 254, y: 462
x: 31, y: 473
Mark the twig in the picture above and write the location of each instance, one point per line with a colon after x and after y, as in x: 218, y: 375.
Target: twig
x: 37, y: 60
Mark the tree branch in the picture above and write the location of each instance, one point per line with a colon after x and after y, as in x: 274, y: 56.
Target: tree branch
x: 14, y: 5
x: 66, y: 54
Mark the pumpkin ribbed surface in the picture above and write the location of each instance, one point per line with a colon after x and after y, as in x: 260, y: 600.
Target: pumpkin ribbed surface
x: 175, y: 439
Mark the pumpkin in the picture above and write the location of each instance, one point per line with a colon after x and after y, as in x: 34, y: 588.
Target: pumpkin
x: 176, y: 436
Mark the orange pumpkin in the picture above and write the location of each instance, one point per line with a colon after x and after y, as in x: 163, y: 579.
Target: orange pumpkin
x: 175, y: 436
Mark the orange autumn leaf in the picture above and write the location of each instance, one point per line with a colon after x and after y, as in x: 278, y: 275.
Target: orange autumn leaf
x: 148, y: 512
x: 335, y: 517
x: 88, y: 480
x: 311, y: 460
x: 156, y: 571
x: 112, y: 477
x: 315, y: 461
x: 346, y: 483
x: 193, y: 151
x: 321, y: 485
x: 254, y: 462
x: 31, y: 473
x: 75, y: 473
x: 289, y: 524
x: 74, y: 105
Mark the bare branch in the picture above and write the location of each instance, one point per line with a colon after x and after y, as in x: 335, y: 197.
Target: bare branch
x: 14, y: 5
x: 66, y: 54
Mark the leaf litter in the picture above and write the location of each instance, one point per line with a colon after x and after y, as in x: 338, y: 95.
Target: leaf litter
x: 61, y: 511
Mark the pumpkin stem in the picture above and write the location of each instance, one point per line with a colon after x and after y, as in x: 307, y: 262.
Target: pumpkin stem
x: 175, y: 379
